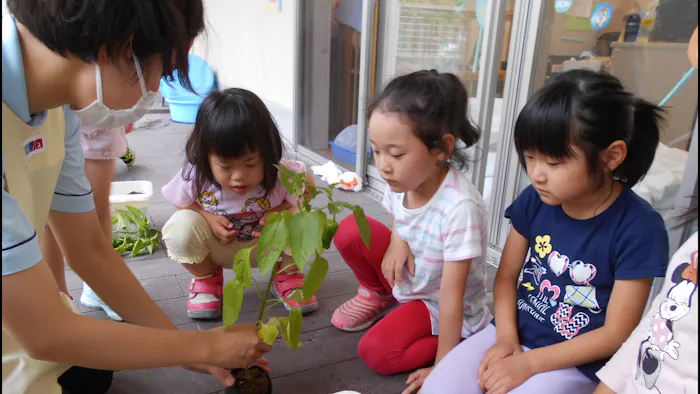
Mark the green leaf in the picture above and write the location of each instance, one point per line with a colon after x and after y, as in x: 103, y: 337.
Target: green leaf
x: 129, y: 218
x: 284, y: 329
x: 273, y: 239
x: 296, y: 296
x: 126, y: 245
x: 328, y: 190
x: 360, y: 219
x: 137, y: 214
x: 241, y: 266
x: 268, y: 333
x: 303, y: 234
x: 114, y: 220
x: 362, y: 224
x: 315, y: 277
x: 153, y: 234
x: 335, y: 208
x: 291, y: 181
x: 294, y: 329
x: 233, y: 299
x: 313, y: 190
x: 150, y: 248
x: 121, y: 220
x: 138, y: 248
x: 322, y: 220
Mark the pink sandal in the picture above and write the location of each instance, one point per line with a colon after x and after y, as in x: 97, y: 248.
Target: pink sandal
x: 283, y: 287
x: 205, y: 297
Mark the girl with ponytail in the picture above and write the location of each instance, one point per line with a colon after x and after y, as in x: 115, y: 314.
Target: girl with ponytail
x: 587, y: 247
x: 432, y: 261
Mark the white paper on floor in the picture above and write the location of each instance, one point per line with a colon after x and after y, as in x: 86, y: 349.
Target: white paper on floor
x: 331, y: 174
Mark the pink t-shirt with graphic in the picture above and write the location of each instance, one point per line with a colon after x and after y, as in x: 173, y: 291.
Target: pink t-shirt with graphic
x: 244, y: 210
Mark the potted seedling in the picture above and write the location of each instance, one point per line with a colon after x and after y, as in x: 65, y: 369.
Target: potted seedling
x: 306, y: 234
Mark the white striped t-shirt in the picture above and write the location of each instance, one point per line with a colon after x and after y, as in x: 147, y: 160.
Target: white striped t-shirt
x: 451, y: 227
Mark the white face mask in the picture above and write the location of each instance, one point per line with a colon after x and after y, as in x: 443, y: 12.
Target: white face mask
x: 99, y: 115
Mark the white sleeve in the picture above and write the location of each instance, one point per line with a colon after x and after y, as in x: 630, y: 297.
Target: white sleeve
x: 462, y: 232
x: 387, y: 202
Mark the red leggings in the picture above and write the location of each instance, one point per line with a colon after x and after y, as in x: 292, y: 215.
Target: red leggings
x: 403, y: 340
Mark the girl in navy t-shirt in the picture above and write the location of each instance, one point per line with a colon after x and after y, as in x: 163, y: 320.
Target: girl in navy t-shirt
x: 587, y: 246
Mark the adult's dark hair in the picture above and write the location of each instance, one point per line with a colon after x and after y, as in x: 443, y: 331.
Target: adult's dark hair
x: 230, y: 124
x: 433, y: 104
x: 590, y: 110
x: 81, y: 28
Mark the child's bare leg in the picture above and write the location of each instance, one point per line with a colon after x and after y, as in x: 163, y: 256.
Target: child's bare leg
x: 203, y: 270
x: 54, y: 259
x: 100, y: 174
x: 287, y: 264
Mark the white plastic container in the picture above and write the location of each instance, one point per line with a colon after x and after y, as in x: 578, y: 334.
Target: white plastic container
x: 132, y: 193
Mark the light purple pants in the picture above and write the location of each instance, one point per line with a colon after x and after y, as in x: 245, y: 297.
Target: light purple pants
x: 456, y: 373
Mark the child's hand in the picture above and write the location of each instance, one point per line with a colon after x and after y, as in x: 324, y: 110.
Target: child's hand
x: 416, y: 379
x: 506, y: 374
x: 398, y: 254
x: 262, y: 222
x: 222, y: 229
x: 497, y: 352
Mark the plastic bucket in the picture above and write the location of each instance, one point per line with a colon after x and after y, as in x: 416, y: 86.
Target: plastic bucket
x: 183, y: 109
x: 133, y: 193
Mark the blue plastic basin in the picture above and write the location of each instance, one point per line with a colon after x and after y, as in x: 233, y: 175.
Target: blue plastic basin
x: 345, y: 154
x: 183, y: 109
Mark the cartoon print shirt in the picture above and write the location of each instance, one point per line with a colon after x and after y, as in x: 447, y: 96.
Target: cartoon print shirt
x: 451, y: 227
x: 245, y: 211
x: 661, y: 355
x: 572, y: 264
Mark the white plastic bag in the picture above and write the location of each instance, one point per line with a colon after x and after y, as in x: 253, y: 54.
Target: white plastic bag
x: 330, y: 174
x: 663, y: 181
x: 349, y: 181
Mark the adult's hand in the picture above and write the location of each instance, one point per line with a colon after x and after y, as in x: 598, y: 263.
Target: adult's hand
x: 240, y: 346
x: 222, y: 375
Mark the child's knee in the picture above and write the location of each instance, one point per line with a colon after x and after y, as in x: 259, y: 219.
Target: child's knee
x: 186, y: 235
x: 374, y: 354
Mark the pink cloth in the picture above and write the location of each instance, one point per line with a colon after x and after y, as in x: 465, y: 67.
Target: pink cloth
x: 102, y: 144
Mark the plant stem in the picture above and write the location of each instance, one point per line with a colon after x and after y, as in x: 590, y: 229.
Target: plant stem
x: 272, y: 305
x: 267, y: 294
x: 285, y: 268
x: 257, y: 287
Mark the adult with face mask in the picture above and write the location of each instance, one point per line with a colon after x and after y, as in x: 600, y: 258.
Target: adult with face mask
x: 54, y: 52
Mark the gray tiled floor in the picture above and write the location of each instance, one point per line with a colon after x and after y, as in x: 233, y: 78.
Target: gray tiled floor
x: 327, y: 362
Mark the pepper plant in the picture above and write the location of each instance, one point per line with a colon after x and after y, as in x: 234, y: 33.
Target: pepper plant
x: 305, y: 235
